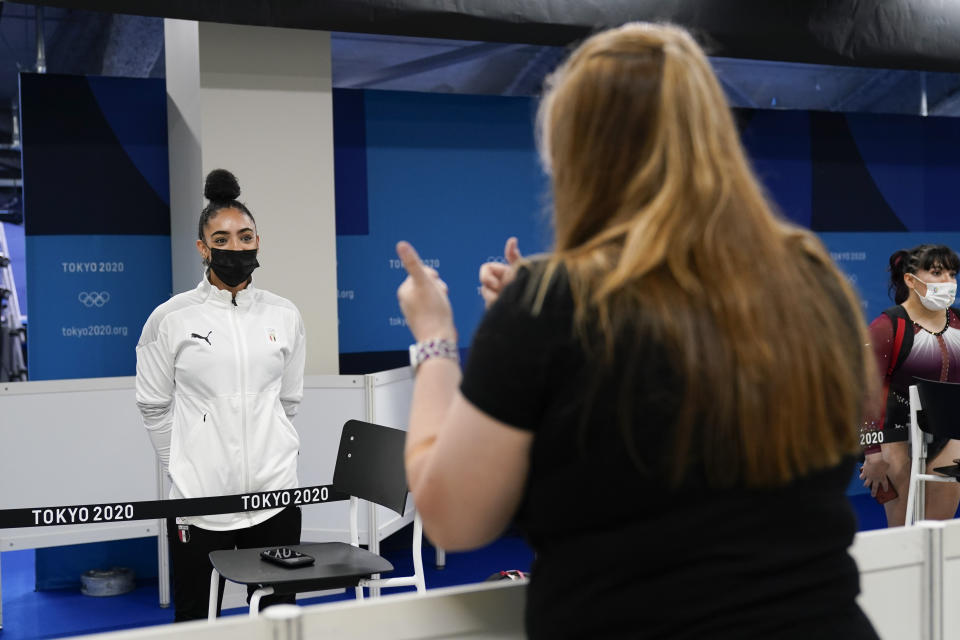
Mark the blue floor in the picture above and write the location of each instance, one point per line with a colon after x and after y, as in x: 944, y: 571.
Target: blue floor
x: 56, y: 614
x: 870, y: 515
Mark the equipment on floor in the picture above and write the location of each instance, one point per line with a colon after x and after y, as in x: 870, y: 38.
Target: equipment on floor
x: 13, y: 335
x: 111, y: 582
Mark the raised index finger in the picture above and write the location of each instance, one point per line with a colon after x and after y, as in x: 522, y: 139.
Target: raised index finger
x: 411, y: 261
x: 512, y: 251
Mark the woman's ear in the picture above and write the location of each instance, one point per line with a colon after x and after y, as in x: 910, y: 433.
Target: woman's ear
x: 908, y: 281
x: 913, y: 283
x: 203, y: 251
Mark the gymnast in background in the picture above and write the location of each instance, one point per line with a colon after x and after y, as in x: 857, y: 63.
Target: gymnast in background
x: 923, y: 281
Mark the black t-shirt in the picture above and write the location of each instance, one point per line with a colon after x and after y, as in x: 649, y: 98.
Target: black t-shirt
x: 620, y: 552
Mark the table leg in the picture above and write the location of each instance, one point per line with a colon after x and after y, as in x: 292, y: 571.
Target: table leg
x: 255, y: 600
x: 214, y: 593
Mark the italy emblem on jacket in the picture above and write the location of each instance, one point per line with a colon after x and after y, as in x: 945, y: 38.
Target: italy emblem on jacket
x: 183, y: 531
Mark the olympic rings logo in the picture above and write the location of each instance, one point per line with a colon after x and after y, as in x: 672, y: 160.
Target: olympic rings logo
x: 94, y: 298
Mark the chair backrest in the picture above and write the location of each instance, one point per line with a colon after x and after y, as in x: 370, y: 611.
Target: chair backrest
x: 939, y: 402
x: 370, y: 464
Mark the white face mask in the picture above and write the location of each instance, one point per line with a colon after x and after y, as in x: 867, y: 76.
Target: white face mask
x: 940, y: 295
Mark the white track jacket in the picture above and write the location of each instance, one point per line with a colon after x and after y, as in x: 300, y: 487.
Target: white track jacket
x: 217, y: 385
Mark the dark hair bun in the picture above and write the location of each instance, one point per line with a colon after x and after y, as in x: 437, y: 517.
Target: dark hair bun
x: 221, y: 186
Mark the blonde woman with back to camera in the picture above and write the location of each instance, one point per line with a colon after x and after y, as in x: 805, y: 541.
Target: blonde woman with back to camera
x: 666, y: 403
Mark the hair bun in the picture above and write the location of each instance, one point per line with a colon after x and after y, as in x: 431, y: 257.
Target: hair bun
x: 221, y: 186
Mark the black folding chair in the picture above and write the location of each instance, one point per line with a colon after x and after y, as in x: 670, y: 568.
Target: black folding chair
x: 933, y: 414
x: 369, y: 467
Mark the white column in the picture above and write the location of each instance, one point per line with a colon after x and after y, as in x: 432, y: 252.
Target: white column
x: 263, y: 96
x: 181, y: 39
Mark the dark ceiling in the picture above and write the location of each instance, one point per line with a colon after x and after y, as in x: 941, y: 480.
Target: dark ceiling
x: 87, y: 42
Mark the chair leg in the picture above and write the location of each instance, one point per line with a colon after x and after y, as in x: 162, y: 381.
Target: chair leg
x: 163, y: 557
x: 214, y: 593
x: 912, y: 489
x: 358, y: 593
x: 918, y: 461
x: 920, y: 490
x: 418, y: 554
x: 255, y: 600
x: 916, y: 496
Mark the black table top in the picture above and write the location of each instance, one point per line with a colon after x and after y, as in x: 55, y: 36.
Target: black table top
x: 336, y: 564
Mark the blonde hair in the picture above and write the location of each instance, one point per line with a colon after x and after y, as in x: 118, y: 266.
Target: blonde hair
x: 664, y: 231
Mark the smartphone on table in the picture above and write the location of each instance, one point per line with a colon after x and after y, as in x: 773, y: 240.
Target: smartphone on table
x: 286, y: 557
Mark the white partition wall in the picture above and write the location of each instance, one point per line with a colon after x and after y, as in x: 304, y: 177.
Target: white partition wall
x: 388, y: 404
x: 392, y: 393
x: 75, y: 442
x: 491, y: 611
x: 487, y: 610
x: 950, y: 548
x: 328, y: 402
x: 70, y: 442
x: 895, y: 569
x: 231, y: 628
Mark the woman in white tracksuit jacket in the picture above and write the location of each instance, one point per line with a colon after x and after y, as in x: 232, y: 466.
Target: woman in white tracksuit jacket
x: 219, y: 378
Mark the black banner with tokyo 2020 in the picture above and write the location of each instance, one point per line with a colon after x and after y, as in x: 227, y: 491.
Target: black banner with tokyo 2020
x: 156, y: 509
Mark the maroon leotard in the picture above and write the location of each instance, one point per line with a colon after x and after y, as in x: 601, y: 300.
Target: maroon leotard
x: 934, y: 356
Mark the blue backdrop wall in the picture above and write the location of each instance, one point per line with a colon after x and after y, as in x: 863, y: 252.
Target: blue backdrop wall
x: 457, y: 174
x: 867, y: 184
x: 97, y: 220
x: 97, y: 223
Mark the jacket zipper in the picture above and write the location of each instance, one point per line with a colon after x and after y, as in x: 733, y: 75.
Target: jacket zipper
x: 241, y: 352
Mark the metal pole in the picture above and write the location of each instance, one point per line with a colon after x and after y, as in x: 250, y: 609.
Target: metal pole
x: 15, y: 123
x: 373, y: 529
x: 41, y: 52
x: 1, y: 603
x: 163, y: 547
x: 923, y: 97
x: 286, y: 620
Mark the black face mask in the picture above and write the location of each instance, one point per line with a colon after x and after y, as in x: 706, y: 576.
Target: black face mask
x: 233, y: 267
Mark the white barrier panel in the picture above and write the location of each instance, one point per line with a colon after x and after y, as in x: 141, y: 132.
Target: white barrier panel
x: 382, y: 398
x: 67, y: 442
x: 72, y: 442
x: 951, y: 579
x: 894, y: 580
x: 485, y: 610
x: 901, y: 574
x: 328, y: 402
x: 392, y: 394
x: 491, y: 610
x: 232, y: 628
